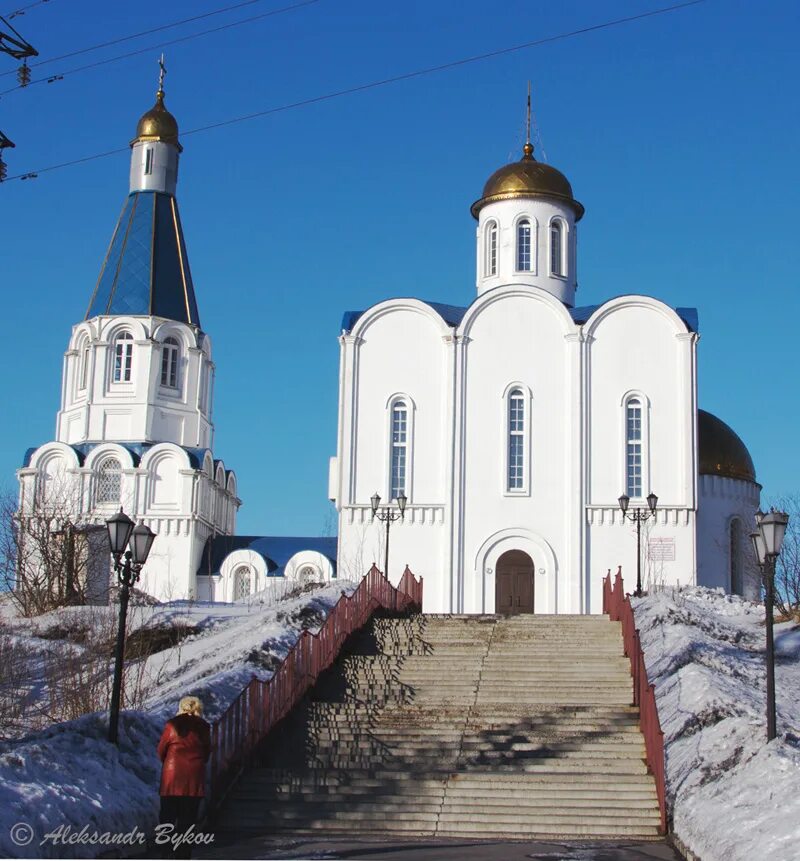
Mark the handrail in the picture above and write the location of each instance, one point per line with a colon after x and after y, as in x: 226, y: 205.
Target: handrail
x: 261, y: 704
x: 618, y: 606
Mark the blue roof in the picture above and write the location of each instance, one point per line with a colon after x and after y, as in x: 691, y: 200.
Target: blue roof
x: 275, y: 550
x: 454, y: 314
x: 146, y: 269
x: 136, y: 449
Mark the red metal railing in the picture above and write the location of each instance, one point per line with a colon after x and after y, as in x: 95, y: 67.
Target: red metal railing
x: 261, y: 705
x: 618, y: 606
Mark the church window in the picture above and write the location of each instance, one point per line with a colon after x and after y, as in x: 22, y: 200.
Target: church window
x: 399, y: 448
x: 242, y: 583
x: 491, y: 248
x: 516, y: 440
x: 148, y: 161
x: 123, y: 358
x: 524, y: 258
x: 557, y: 249
x: 736, y: 572
x: 633, y: 448
x: 170, y: 354
x: 108, y: 485
x: 83, y: 373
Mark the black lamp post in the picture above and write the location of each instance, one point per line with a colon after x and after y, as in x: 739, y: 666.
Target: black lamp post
x: 139, y: 539
x: 388, y: 516
x: 767, y: 541
x: 638, y: 516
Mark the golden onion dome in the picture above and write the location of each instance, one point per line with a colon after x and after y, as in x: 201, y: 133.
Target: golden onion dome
x: 157, y: 124
x: 721, y: 451
x: 527, y: 178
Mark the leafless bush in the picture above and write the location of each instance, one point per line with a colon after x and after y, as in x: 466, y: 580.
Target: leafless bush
x: 787, y: 571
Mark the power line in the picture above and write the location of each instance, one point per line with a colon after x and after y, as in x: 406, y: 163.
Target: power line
x: 418, y: 73
x: 128, y: 38
x: 60, y: 76
x: 24, y: 9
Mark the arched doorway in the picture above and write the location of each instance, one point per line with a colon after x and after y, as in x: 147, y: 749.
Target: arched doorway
x: 514, y: 583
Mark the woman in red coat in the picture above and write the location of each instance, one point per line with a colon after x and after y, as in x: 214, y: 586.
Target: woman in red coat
x: 184, y: 748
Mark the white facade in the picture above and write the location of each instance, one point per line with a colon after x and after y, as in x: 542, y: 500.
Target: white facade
x: 514, y: 428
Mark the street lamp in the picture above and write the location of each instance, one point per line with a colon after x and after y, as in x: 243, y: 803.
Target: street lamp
x: 138, y: 540
x: 767, y: 541
x: 388, y: 516
x: 638, y: 516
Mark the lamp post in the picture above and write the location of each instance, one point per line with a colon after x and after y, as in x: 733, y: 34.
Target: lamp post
x: 638, y: 516
x: 767, y: 541
x: 128, y: 564
x: 388, y: 516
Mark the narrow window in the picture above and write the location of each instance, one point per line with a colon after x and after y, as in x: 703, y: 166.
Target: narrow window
x: 148, y: 161
x: 516, y: 440
x: 633, y: 448
x: 170, y: 353
x: 109, y: 481
x: 524, y: 246
x: 556, y: 249
x: 123, y: 358
x: 399, y: 448
x: 491, y: 248
x: 737, y: 584
x: 84, y: 368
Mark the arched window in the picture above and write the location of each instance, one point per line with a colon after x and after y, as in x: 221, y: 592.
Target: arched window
x: 524, y: 256
x: 516, y: 440
x: 108, y: 486
x: 399, y: 453
x: 170, y: 355
x: 736, y: 572
x: 633, y: 447
x: 557, y: 249
x: 490, y: 266
x: 83, y: 367
x: 123, y: 357
x: 242, y: 583
x: 308, y: 574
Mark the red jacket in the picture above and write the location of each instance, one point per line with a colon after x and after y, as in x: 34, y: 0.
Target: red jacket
x: 184, y: 748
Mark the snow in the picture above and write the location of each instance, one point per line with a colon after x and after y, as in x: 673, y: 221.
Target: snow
x: 68, y: 774
x: 733, y: 796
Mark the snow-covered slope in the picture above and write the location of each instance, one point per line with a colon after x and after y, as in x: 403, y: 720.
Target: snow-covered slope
x: 70, y: 775
x: 734, y: 798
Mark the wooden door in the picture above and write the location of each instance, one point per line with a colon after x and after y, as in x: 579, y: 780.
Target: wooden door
x: 514, y: 583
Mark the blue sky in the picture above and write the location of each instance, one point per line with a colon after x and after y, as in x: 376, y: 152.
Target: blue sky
x: 678, y: 132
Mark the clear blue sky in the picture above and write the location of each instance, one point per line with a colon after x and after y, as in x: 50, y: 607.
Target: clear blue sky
x: 679, y: 134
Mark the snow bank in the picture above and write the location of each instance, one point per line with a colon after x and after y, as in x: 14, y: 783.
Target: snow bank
x: 69, y: 775
x: 733, y: 797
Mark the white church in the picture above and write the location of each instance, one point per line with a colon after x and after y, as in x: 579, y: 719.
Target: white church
x: 511, y: 424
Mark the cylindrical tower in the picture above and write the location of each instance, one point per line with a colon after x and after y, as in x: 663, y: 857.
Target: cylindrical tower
x: 526, y: 233
x: 155, y: 150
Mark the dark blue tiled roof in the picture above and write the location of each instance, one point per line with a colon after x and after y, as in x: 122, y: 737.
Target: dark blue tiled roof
x: 146, y: 270
x: 275, y: 550
x: 454, y: 314
x: 137, y: 450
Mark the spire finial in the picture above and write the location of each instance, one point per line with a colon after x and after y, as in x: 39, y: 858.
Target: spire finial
x: 528, y: 148
x: 161, y: 75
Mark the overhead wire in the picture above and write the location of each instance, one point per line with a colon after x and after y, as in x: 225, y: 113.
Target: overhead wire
x: 60, y: 75
x: 23, y: 9
x: 132, y: 36
x: 360, y: 88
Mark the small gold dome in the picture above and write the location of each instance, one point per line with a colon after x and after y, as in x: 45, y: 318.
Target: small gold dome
x: 721, y: 451
x: 157, y: 124
x: 527, y: 178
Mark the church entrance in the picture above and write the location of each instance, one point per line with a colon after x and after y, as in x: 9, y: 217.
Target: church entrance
x: 514, y: 583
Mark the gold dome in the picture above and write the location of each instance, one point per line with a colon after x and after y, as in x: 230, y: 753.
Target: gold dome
x: 527, y: 178
x: 158, y: 124
x: 721, y: 451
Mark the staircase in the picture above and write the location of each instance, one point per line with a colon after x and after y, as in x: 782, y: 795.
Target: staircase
x: 462, y: 726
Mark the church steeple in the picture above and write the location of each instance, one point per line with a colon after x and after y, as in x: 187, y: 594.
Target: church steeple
x: 146, y: 269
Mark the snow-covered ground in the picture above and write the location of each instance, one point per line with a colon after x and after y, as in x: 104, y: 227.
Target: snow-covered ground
x: 68, y: 774
x: 734, y: 797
